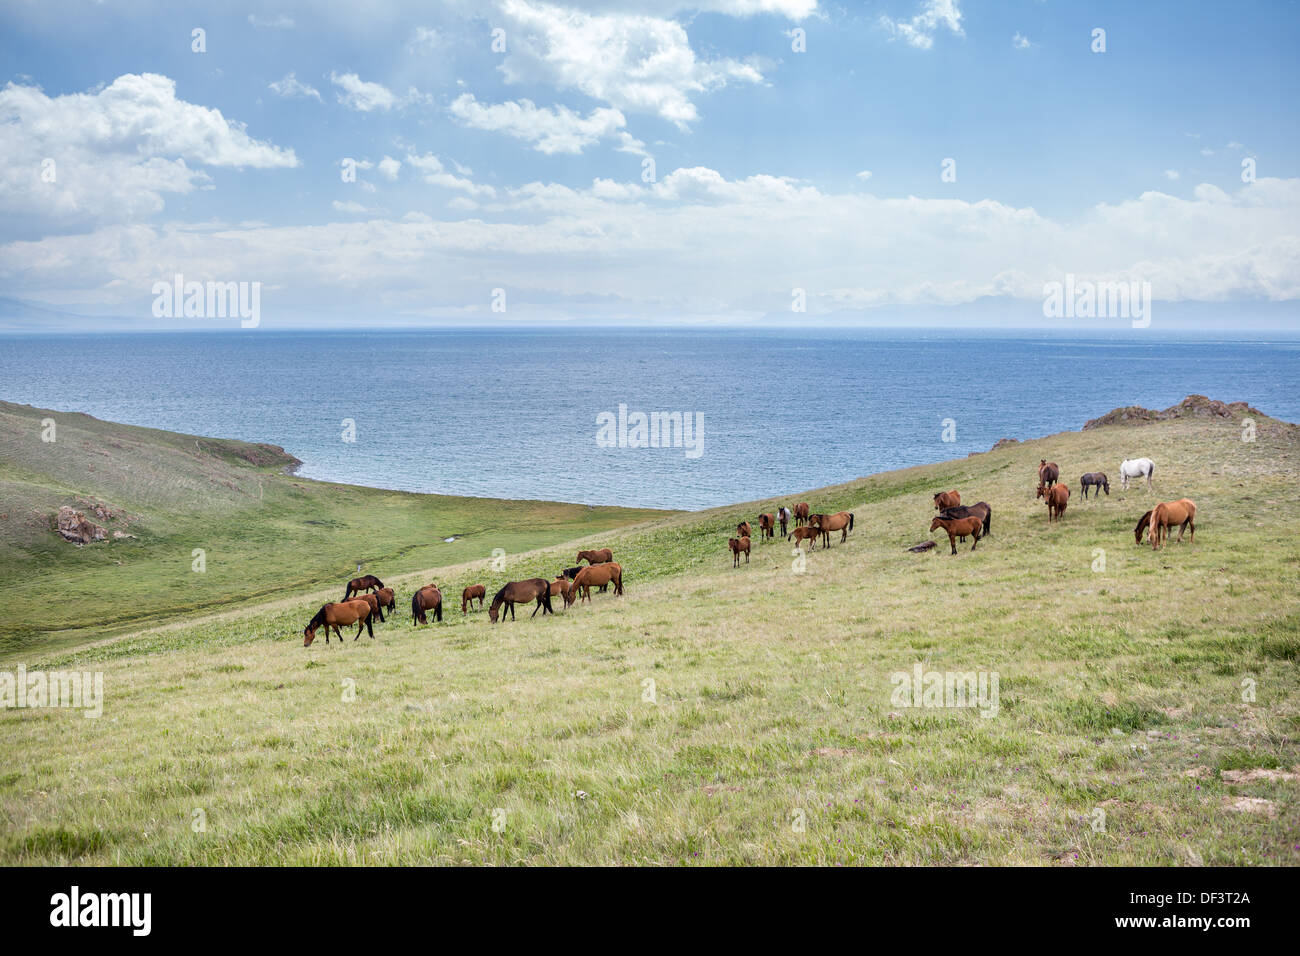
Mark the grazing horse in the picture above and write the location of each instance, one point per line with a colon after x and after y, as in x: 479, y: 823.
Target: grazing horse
x: 521, y: 592
x: 841, y: 521
x: 980, y: 510
x: 1136, y: 468
x: 367, y: 583
x: 376, y: 609
x: 1169, y: 513
x: 737, y: 546
x: 1048, y: 472
x: 470, y: 594
x: 1056, y: 496
x: 593, y: 557
x: 387, y: 600
x: 970, y: 525
x: 766, y: 526
x: 338, y: 615
x: 783, y: 515
x: 1097, y: 480
x: 743, y: 530
x: 592, y: 576
x: 428, y: 598
x: 801, y: 514
x: 808, y: 532
x: 946, y: 499
x: 572, y: 573
x: 560, y: 586
x: 1143, y: 524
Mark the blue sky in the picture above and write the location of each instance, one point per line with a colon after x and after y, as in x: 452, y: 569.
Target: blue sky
x: 774, y: 170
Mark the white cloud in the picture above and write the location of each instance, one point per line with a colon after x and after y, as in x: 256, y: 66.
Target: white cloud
x: 635, y: 63
x: 547, y: 130
x: 279, y: 22
x: 389, y: 168
x: 433, y: 172
x: 290, y: 87
x: 1172, y: 174
x: 919, y: 31
x: 1021, y: 42
x: 349, y: 206
x: 864, y: 175
x: 366, y: 96
x: 423, y: 40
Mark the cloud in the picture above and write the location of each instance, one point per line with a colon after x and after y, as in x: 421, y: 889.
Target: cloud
x: 290, y: 88
x: 1021, y: 42
x: 114, y: 152
x: 423, y: 41
x: 920, y: 30
x: 633, y: 62
x: 279, y: 22
x: 547, y: 130
x: 389, y: 168
x: 366, y: 97
x: 349, y: 206
x: 1172, y: 174
x: 864, y: 175
x: 433, y: 172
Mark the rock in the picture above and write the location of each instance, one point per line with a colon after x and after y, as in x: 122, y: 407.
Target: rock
x: 1193, y: 406
x: 74, y: 526
x: 1004, y: 442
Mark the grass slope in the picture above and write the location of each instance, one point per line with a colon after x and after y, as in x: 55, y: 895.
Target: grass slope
x: 1148, y: 708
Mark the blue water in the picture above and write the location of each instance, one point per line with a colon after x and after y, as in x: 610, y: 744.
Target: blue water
x: 512, y: 414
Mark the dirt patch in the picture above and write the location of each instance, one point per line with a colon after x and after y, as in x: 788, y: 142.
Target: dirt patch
x: 1251, y: 805
x: 1257, y: 775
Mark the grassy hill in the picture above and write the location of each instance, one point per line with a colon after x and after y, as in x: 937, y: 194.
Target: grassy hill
x: 1147, y: 712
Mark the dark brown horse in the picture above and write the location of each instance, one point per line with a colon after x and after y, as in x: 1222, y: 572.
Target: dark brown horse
x: 387, y: 600
x: 1048, y: 473
x: 428, y: 598
x: 980, y: 509
x: 1057, y: 496
x: 784, y: 515
x: 595, y: 557
x: 338, y: 615
x: 841, y: 521
x: 1143, y: 524
x: 367, y: 583
x: 1096, y: 480
x: 801, y: 514
x: 970, y: 525
x: 946, y: 499
x: 738, y: 547
x: 1169, y: 513
x: 806, y: 533
x: 766, y: 526
x: 521, y: 592
x: 743, y: 530
x: 470, y: 595
x: 373, y: 600
x: 595, y: 576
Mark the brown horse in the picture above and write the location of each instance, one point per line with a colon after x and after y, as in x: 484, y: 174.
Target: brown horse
x: 373, y: 600
x: 387, y: 600
x: 743, y: 530
x: 428, y: 598
x: 801, y: 514
x: 1057, y: 496
x: 806, y: 533
x: 470, y: 594
x: 766, y: 526
x: 595, y: 576
x: 980, y: 509
x: 783, y: 514
x: 970, y: 525
x: 1169, y: 513
x: 560, y: 588
x: 595, y: 557
x: 946, y: 499
x: 367, y: 583
x: 338, y: 615
x: 1048, y: 472
x: 841, y: 521
x: 1143, y: 524
x: 738, y: 546
x: 1097, y: 481
x: 521, y: 592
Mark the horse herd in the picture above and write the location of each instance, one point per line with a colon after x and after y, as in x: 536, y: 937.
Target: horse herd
x: 367, y: 597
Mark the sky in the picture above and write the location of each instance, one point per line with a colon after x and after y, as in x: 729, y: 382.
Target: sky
x: 720, y: 162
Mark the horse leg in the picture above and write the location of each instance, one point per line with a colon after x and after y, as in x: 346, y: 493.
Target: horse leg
x: 976, y: 536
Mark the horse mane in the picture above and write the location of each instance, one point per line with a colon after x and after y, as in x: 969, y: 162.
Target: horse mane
x: 500, y: 597
x: 319, y: 619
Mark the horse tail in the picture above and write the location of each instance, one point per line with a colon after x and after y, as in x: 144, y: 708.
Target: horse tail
x: 437, y: 611
x: 850, y: 520
x: 415, y: 608
x: 370, y: 625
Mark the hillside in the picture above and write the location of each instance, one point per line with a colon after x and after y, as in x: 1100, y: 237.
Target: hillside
x: 1147, y: 713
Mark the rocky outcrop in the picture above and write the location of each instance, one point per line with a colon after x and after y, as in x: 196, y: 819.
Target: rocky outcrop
x: 1193, y: 406
x: 1004, y: 442
x: 73, y: 526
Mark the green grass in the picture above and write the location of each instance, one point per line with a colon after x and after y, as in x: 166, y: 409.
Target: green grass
x: 720, y: 716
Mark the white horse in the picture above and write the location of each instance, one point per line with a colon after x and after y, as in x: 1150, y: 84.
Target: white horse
x: 1136, y: 468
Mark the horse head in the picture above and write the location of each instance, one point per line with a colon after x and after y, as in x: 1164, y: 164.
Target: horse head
x: 1042, y: 491
x: 308, y: 635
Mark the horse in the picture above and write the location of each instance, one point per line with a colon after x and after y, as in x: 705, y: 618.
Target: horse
x: 1143, y: 524
x: 376, y: 609
x: 428, y: 598
x: 338, y: 615
x: 1048, y: 472
x: 1057, y: 496
x: 738, y: 546
x: 594, y: 557
x: 521, y: 592
x: 801, y: 514
x: 470, y: 594
x: 980, y: 510
x: 591, y: 576
x: 800, y: 534
x: 766, y: 526
x: 560, y: 586
x: 841, y: 521
x: 1097, y: 480
x: 1136, y: 468
x: 743, y: 530
x: 971, y: 524
x: 783, y: 515
x: 367, y: 583
x: 1169, y: 513
x: 387, y: 600
x: 946, y: 499
x: 572, y: 573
